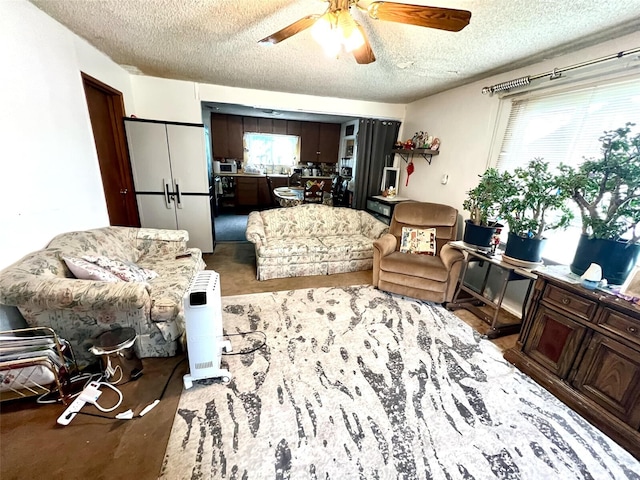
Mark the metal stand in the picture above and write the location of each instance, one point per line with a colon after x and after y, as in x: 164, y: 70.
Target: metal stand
x: 479, y: 295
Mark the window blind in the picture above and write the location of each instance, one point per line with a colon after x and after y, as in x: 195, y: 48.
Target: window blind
x: 565, y: 127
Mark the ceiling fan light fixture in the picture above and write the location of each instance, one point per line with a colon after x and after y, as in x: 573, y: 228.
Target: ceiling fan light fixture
x: 334, y: 31
x: 351, y: 36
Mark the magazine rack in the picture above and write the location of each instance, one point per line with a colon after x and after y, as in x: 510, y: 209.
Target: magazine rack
x: 35, y: 361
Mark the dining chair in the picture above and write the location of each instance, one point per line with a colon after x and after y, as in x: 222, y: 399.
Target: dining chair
x: 313, y: 192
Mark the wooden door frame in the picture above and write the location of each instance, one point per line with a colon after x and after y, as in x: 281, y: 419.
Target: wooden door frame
x: 116, y: 105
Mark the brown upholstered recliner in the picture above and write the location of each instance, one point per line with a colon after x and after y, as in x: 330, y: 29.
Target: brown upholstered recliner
x: 426, y: 277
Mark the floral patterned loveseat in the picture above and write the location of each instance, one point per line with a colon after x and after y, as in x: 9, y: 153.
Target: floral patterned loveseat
x: 47, y: 294
x: 312, y: 240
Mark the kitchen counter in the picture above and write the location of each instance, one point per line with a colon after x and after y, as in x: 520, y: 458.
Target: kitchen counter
x: 254, y: 175
x: 263, y: 175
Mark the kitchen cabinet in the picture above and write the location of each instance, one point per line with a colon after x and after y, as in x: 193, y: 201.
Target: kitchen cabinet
x: 293, y: 127
x: 227, y: 136
x: 319, y: 142
x: 309, y: 137
x: 265, y: 125
x: 584, y: 347
x: 329, y: 142
x: 246, y: 191
x: 279, y: 126
x: 250, y: 124
x: 252, y: 191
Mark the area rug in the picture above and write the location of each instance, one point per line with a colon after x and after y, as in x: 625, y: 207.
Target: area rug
x: 355, y: 383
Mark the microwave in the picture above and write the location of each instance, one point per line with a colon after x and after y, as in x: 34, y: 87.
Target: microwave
x: 219, y: 167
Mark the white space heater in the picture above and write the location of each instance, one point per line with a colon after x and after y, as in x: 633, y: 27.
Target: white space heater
x: 203, y: 318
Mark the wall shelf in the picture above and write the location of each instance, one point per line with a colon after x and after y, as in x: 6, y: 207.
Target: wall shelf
x: 425, y: 153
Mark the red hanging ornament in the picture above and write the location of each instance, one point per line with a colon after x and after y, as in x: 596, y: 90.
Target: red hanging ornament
x: 410, y: 169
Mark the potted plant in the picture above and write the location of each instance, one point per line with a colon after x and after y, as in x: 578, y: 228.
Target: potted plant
x: 607, y: 192
x: 483, y: 204
x: 533, y: 203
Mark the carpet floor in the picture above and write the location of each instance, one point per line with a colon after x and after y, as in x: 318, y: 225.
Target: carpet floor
x: 230, y: 228
x: 354, y: 383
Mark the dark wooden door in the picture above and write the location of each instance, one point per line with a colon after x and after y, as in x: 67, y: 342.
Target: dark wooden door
x: 106, y: 110
x: 610, y: 375
x: 554, y: 341
x: 329, y: 142
x: 293, y: 127
x: 236, y: 137
x: 219, y: 136
x: 309, y: 136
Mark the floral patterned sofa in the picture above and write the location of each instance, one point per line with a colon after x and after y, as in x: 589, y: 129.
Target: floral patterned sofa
x: 312, y: 240
x: 47, y: 294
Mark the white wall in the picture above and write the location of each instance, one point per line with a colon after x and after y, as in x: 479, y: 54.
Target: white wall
x: 48, y: 165
x: 175, y: 100
x: 464, y: 120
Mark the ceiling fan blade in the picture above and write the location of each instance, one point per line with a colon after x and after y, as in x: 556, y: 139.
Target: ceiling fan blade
x: 364, y: 54
x: 434, y: 17
x: 291, y: 30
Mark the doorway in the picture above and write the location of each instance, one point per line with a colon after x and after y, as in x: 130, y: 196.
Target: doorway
x: 106, y: 110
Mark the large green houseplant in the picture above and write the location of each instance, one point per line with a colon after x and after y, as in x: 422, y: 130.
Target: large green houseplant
x: 483, y: 205
x: 607, y: 192
x: 533, y: 203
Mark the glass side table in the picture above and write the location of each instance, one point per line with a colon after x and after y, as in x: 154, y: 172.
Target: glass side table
x: 485, y: 278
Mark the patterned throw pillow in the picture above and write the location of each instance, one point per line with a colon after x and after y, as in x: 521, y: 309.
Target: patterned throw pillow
x: 420, y: 241
x: 127, y: 271
x: 88, y: 271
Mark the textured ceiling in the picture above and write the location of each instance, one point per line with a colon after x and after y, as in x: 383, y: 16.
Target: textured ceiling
x: 215, y: 41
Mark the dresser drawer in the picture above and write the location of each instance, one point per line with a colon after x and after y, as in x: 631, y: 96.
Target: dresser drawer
x: 620, y: 324
x: 569, y: 302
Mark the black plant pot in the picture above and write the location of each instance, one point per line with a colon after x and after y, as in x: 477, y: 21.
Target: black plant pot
x: 479, y: 235
x: 616, y: 258
x: 524, y: 248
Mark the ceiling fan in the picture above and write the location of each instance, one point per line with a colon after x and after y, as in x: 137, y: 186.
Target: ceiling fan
x: 337, y: 30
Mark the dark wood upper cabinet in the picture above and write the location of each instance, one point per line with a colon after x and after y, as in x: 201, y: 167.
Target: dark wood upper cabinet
x: 279, y: 126
x: 226, y: 136
x: 236, y: 137
x: 219, y: 136
x: 329, y: 142
x: 293, y: 127
x: 265, y: 125
x: 309, y: 138
x: 319, y: 142
x: 250, y: 124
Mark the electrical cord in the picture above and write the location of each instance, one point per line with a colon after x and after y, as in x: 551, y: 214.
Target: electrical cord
x: 111, y: 409
x: 244, y: 334
x: 166, y: 385
x: 164, y: 389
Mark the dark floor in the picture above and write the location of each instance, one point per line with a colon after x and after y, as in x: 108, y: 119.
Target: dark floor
x: 230, y: 227
x: 32, y: 445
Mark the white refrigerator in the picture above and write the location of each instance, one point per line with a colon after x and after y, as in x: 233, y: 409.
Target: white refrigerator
x: 171, y: 175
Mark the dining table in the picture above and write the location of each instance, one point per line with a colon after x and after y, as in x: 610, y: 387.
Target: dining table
x: 292, y: 196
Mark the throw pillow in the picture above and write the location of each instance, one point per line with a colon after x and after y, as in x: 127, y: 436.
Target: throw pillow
x: 127, y: 271
x: 88, y: 271
x: 420, y: 241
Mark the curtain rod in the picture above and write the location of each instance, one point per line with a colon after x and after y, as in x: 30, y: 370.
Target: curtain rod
x: 553, y: 74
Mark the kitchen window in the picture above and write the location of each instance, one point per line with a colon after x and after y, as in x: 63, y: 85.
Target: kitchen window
x: 564, y: 127
x: 271, y: 153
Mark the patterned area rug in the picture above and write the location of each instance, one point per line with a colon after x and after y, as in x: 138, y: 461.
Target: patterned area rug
x: 355, y: 383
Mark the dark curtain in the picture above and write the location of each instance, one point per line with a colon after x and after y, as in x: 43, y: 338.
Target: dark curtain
x: 375, y: 141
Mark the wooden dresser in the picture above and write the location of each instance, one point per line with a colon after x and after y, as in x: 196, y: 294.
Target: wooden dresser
x: 584, y: 347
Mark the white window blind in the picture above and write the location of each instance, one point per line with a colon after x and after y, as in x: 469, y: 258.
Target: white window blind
x: 564, y: 128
